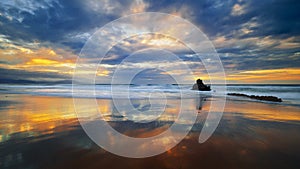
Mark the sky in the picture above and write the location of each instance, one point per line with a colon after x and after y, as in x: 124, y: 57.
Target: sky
x: 257, y: 41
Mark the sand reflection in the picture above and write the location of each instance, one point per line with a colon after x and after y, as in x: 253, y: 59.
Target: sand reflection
x: 43, y: 132
x: 262, y: 111
x: 42, y: 115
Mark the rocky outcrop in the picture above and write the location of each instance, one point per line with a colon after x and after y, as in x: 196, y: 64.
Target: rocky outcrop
x: 195, y: 87
x: 199, y: 85
x: 264, y: 98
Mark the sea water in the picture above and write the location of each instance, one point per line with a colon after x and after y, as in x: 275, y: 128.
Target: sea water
x: 290, y: 94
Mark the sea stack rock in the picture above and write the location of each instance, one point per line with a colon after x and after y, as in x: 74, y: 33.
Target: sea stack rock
x: 199, y: 85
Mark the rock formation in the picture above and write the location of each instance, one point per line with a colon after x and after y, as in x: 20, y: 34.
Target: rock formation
x: 265, y: 98
x: 199, y: 85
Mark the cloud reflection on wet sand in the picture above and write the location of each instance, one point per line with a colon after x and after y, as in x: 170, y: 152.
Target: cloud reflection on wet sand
x: 245, y: 138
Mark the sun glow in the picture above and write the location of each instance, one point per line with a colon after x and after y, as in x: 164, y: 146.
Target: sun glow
x: 42, y: 62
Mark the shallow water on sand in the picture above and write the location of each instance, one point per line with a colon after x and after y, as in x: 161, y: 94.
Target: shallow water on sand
x: 43, y: 132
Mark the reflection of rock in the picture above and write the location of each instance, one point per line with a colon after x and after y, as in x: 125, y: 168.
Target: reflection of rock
x: 199, y: 102
x: 200, y: 86
x: 265, y: 98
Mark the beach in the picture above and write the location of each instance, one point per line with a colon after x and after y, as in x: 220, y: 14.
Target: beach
x: 39, y: 130
x: 147, y: 84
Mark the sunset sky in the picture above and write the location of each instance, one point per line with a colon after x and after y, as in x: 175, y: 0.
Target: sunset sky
x: 257, y: 41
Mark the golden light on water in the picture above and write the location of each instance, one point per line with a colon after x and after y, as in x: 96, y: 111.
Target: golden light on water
x: 261, y: 111
x: 42, y: 114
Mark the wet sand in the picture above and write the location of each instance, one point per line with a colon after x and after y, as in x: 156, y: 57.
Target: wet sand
x: 43, y: 132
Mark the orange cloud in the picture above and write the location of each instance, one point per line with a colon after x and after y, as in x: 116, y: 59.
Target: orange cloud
x: 42, y: 62
x: 268, y: 75
x: 42, y: 59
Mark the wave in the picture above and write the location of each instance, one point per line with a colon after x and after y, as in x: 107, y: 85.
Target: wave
x: 289, y: 94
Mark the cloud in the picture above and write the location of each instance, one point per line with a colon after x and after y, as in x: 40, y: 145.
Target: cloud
x: 20, y: 76
x: 13, y: 9
x: 291, y: 75
x: 249, y: 35
x: 52, y: 20
x: 237, y: 9
x: 22, y: 51
x: 138, y: 6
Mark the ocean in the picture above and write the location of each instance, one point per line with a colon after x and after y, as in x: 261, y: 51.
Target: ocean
x: 290, y: 94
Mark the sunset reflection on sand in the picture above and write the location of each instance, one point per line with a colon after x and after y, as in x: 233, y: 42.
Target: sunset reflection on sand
x: 250, y: 135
